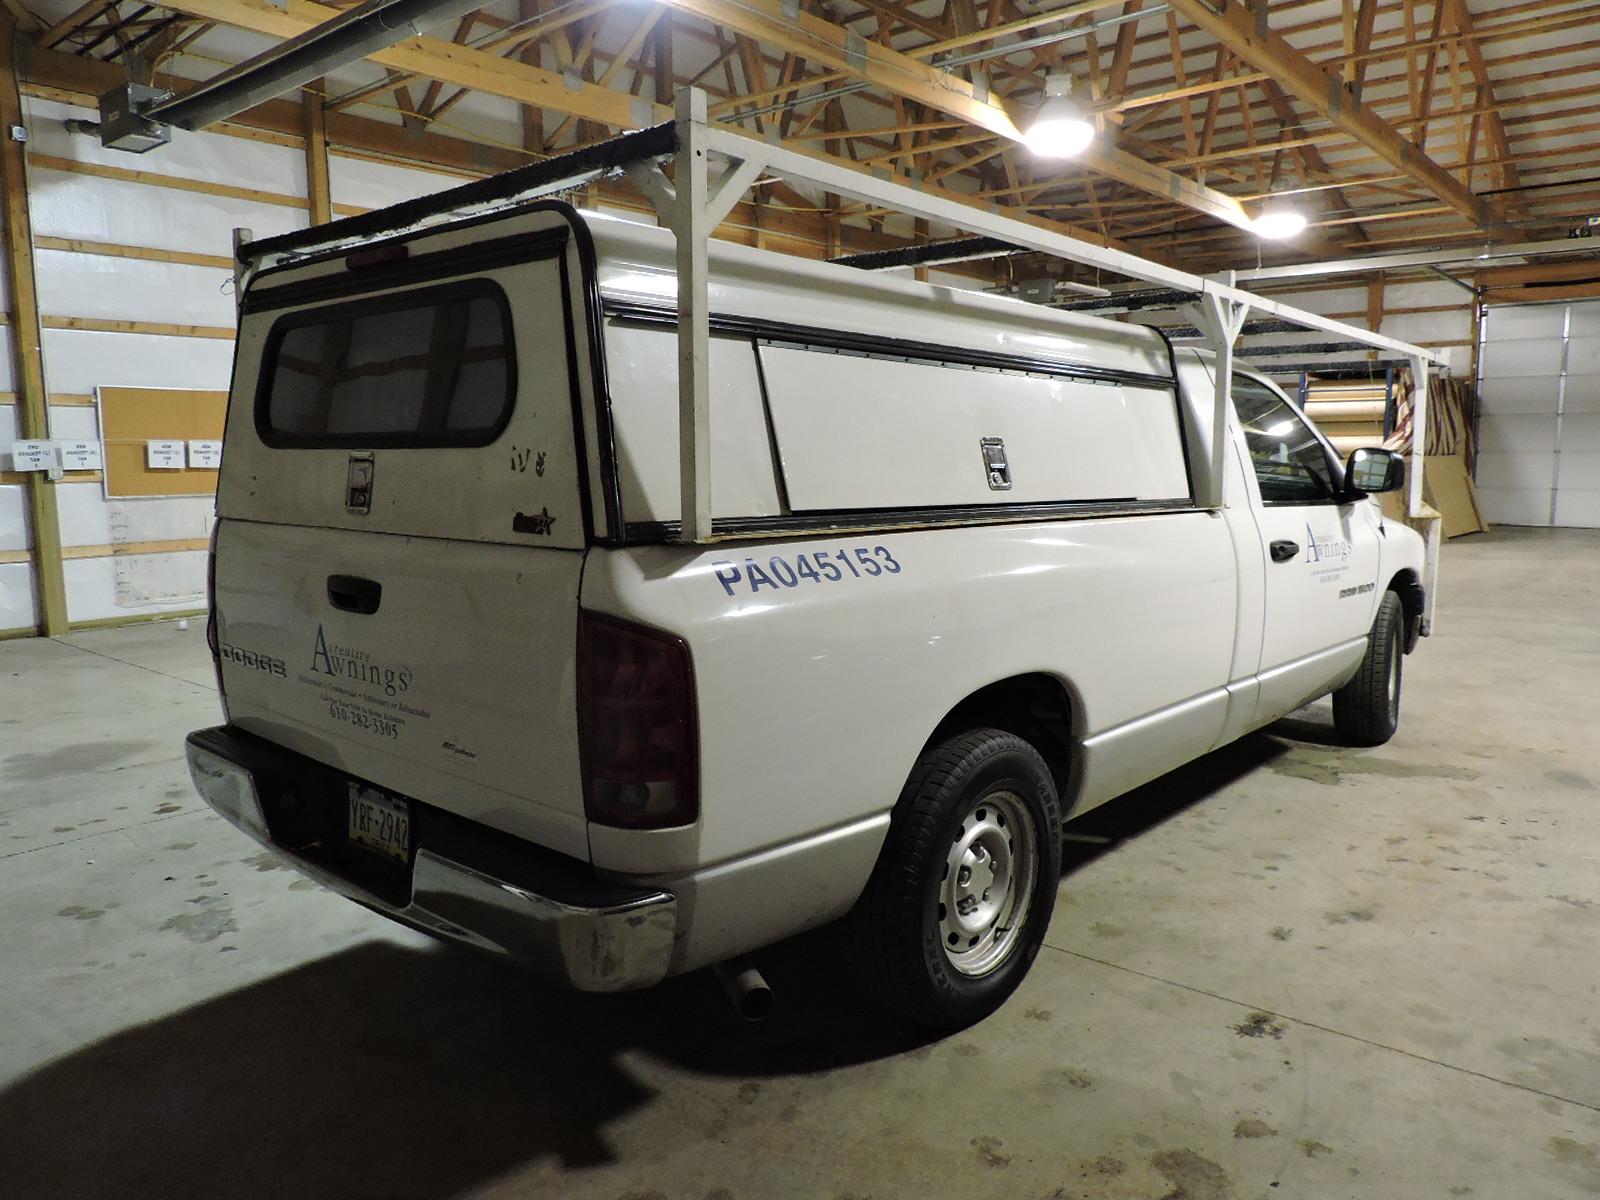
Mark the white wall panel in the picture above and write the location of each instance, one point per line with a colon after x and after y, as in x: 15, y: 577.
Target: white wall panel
x: 1580, y: 434
x: 7, y: 370
x: 1522, y: 356
x: 17, y: 607
x: 13, y: 516
x: 1583, y: 355
x: 1519, y: 393
x: 78, y: 360
x: 81, y: 510
x: 1585, y: 321
x: 137, y: 214
x: 1519, y: 432
x: 130, y: 289
x: 95, y: 585
x: 1429, y: 329
x: 74, y: 423
x: 373, y: 185
x: 1579, y: 507
x: 1515, y: 506
x: 1514, y: 469
x: 1583, y: 394
x: 8, y: 424
x: 212, y: 157
x: 1525, y: 321
x: 1425, y: 294
x: 1324, y: 301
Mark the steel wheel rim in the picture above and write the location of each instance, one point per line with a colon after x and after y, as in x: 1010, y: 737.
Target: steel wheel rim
x: 986, y: 892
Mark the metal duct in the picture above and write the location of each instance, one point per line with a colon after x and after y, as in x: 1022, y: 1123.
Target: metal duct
x: 132, y: 119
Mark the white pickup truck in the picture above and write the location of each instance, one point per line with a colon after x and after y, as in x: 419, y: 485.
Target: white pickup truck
x: 961, y: 589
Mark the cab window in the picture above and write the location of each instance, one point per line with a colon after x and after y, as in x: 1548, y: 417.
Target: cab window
x: 1291, y: 463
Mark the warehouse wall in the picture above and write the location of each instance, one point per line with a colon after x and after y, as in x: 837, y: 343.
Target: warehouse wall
x: 164, y: 319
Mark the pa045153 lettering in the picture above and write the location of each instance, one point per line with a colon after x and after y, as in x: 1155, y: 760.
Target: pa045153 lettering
x: 825, y: 566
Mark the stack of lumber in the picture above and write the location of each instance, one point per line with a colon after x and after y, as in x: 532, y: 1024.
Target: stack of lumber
x: 1349, y: 412
x: 1451, y: 452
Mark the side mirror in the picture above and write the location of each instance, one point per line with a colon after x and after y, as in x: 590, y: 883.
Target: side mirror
x: 1372, y: 470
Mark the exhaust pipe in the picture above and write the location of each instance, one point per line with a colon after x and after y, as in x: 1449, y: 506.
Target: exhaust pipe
x: 746, y: 988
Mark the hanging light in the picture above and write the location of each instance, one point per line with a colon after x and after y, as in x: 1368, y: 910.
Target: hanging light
x: 1058, y: 129
x: 1278, y: 221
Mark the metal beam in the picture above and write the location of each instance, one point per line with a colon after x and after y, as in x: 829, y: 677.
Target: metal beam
x: 480, y: 71
x: 773, y: 22
x: 342, y: 38
x: 1422, y: 258
x: 1245, y: 32
x: 434, y: 58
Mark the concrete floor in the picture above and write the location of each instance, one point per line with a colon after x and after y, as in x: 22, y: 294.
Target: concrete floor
x: 1289, y: 970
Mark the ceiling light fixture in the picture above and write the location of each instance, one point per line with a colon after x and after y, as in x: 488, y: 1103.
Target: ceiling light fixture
x: 1059, y: 128
x: 1278, y: 221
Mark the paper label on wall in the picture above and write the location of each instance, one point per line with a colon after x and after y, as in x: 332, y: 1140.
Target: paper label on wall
x: 33, y: 456
x: 80, y: 456
x: 164, y: 455
x: 205, y: 453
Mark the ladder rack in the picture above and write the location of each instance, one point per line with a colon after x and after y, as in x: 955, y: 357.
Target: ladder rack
x: 697, y: 197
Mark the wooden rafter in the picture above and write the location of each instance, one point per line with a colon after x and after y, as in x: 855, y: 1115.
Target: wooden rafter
x: 903, y: 75
x: 1239, y: 30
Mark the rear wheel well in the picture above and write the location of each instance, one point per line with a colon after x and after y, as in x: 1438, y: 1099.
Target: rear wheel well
x: 1036, y: 707
x: 1408, y: 587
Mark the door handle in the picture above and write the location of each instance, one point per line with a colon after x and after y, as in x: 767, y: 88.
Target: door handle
x: 1284, y: 550
x: 353, y: 594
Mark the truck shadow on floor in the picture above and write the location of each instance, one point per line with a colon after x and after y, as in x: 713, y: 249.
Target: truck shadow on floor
x: 396, y: 1072
x: 1102, y: 829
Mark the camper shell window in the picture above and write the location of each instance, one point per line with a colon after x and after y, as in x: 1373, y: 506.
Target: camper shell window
x: 434, y: 367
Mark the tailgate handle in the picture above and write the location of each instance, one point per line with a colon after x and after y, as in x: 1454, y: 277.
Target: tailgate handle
x: 354, y: 594
x: 1284, y: 550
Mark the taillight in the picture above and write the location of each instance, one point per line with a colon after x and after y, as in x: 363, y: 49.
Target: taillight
x: 636, y: 725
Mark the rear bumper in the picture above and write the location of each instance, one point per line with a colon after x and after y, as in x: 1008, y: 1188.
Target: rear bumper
x: 464, y: 883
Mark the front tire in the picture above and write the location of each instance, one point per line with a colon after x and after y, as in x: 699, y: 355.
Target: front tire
x: 961, y: 897
x: 1366, y: 711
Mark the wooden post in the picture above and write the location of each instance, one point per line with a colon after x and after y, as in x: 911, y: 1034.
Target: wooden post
x: 319, y: 194
x: 532, y: 114
x: 33, y: 419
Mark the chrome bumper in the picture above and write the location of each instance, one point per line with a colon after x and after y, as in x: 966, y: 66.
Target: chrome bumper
x: 593, y: 937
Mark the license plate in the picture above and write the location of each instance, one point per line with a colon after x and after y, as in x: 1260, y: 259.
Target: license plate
x: 380, y: 822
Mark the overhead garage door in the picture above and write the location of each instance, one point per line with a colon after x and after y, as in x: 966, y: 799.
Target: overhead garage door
x: 1539, y: 446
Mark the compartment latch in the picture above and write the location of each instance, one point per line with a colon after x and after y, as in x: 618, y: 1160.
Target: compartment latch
x: 994, y: 463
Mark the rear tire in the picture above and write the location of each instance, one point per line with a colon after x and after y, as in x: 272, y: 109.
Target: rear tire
x: 1366, y: 711
x: 961, y: 897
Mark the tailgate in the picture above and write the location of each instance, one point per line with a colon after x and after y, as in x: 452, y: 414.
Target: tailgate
x: 457, y: 689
